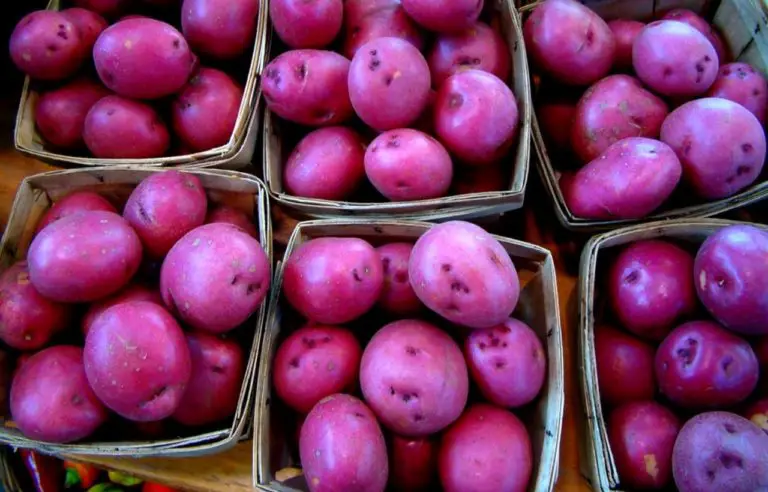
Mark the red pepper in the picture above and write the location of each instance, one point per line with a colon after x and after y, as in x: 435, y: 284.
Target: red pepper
x: 80, y: 474
x: 44, y: 470
x: 156, y: 487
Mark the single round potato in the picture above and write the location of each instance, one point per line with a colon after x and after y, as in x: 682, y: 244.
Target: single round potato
x: 740, y: 83
x: 720, y: 451
x: 214, y: 385
x: 314, y: 362
x: 163, y: 208
x: 697, y: 22
x: 342, y: 447
x: 107, y: 8
x: 229, y: 215
x: 397, y: 296
x: 301, y: 24
x: 476, y: 116
x: 650, y: 285
x: 721, y: 145
x: 205, y: 111
x: 507, y: 362
x: 625, y: 31
x: 465, y: 275
x: 407, y: 164
x: 75, y: 202
x: 356, y: 10
x: 569, y: 42
x: 488, y: 448
x: 642, y: 435
x: 84, y: 257
x: 624, y: 367
x: 215, y: 277
x: 132, y: 293
x: 481, y: 179
x: 478, y: 47
x: 556, y: 120
x: 328, y: 164
x: 333, y: 280
x: 702, y: 365
x: 674, y: 59
x: 412, y: 463
x: 121, y: 128
x: 389, y: 83
x: 88, y: 23
x: 221, y: 29
x: 143, y: 58
x: 757, y: 413
x: 308, y: 87
x: 731, y: 278
x: 444, y: 16
x: 386, y: 21
x: 414, y: 378
x: 46, y: 46
x: 51, y: 400
x: 615, y: 108
x: 27, y: 319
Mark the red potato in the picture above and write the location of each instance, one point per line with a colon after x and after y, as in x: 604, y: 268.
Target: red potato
x: 487, y: 449
x: 624, y: 367
x: 444, y: 16
x: 76, y: 202
x: 213, y: 389
x: 464, y: 274
x: 107, y: 8
x: 389, y: 21
x: 357, y: 10
x: 397, y: 296
x: 315, y: 362
x: 625, y: 31
x: 674, y: 59
x: 757, y: 413
x: 327, y: 164
x: 51, y: 400
x: 615, y: 108
x: 301, y: 24
x: 88, y: 23
x: 221, y: 29
x: 476, y: 116
x: 570, y: 42
x: 229, y: 215
x: 650, y: 285
x: 132, y: 293
x: 702, y: 365
x: 555, y: 120
x: 143, y: 58
x: 414, y: 378
x: 308, y: 87
x: 630, y: 180
x: 697, y: 22
x: 342, y: 447
x: 478, y: 47
x: 121, y: 128
x: 46, y: 46
x: 333, y: 280
x: 732, y: 278
x: 740, y: 83
x: 483, y: 179
x: 232, y: 275
x: 412, y: 463
x: 389, y: 83
x: 642, y: 435
x: 721, y: 145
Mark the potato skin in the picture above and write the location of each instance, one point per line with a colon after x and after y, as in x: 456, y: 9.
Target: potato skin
x: 444, y: 16
x: 741, y: 83
x: 388, y: 20
x: 301, y: 24
x: 413, y: 463
x: 89, y: 23
x: 625, y: 367
x: 76, y: 202
x: 697, y: 22
x: 131, y: 293
x: 230, y: 215
x: 478, y: 47
x: 220, y: 36
x: 625, y: 31
x: 397, y: 295
x: 46, y: 46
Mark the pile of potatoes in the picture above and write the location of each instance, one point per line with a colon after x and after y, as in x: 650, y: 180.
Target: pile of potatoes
x: 400, y: 410
x: 95, y: 330
x: 136, y: 88
x: 634, y: 112
x: 681, y: 381
x: 400, y: 73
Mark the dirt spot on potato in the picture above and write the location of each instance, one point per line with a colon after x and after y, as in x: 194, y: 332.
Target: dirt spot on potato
x: 52, y: 48
x: 446, y: 267
x: 494, y: 259
x: 156, y: 395
x: 688, y: 353
x: 374, y: 64
x: 417, y: 417
x: 455, y: 100
x: 218, y: 370
x: 143, y: 214
x: 76, y: 400
x: 401, y: 185
x: 741, y: 73
x: 176, y: 43
x: 412, y: 350
x: 459, y: 286
x: 274, y: 75
x: 632, y: 277
x: 746, y: 148
x: 726, y: 363
x: 730, y: 460
x: 359, y: 415
x: 467, y: 61
x: 301, y: 71
x: 253, y: 288
x: 385, y: 264
x: 356, y: 275
x: 499, y: 364
x: 667, y: 71
x: 755, y: 92
x: 729, y: 428
x: 394, y: 141
x: 686, y: 145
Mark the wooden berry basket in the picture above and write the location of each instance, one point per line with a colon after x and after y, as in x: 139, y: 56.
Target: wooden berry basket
x: 744, y: 28
x: 274, y: 470
x: 235, y: 189
x: 598, y: 463
x: 236, y: 153
x: 275, y: 152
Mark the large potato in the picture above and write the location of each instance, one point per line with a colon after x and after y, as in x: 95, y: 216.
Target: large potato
x: 412, y: 463
x: 478, y: 47
x: 697, y: 22
x: 444, y: 16
x: 73, y: 203
x: 388, y: 20
x: 301, y: 24
x: 741, y: 83
x: 397, y: 295
x: 45, y: 45
x: 624, y: 367
x: 625, y: 32
x: 220, y: 28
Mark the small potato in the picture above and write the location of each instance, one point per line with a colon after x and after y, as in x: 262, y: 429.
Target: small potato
x: 488, y: 448
x: 51, y: 400
x: 615, y: 108
x: 84, y: 257
x: 132, y: 293
x: 674, y: 59
x: 342, y: 447
x: 697, y: 22
x: 314, y: 362
x: 757, y: 413
x: 650, y: 286
x: 642, y: 435
x: 740, y: 83
x: 88, y: 23
x: 231, y: 275
x: 721, y: 145
x: 397, y: 296
x: 76, y: 202
x: 308, y: 87
x: 389, y: 21
x: 483, y: 179
x: 388, y: 83
x: 702, y: 365
x: 464, y: 274
x: 222, y: 29
x: 333, y: 280
x: 121, y: 128
x: 720, y: 451
x: 476, y: 116
x: 229, y: 215
x: 569, y: 41
x: 107, y: 8
x: 356, y: 10
x: 624, y: 367
x: 444, y: 16
x: 414, y: 378
x: 630, y: 180
x: 625, y: 32
x: 412, y: 463
x: 478, y: 47
x: 46, y: 46
x: 301, y: 24
x: 327, y: 164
